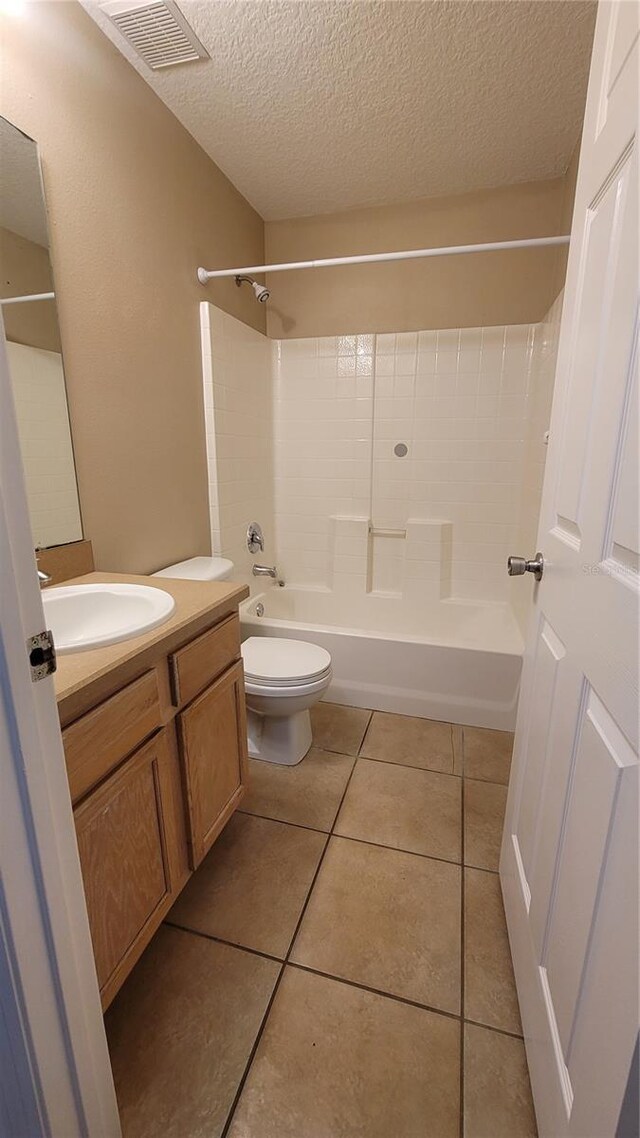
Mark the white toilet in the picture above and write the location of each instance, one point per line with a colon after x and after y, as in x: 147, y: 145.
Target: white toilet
x: 283, y: 679
x: 199, y: 569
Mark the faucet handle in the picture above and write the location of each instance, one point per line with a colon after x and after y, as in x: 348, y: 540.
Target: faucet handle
x: 255, y: 538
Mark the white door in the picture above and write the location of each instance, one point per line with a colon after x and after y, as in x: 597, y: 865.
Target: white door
x: 569, y: 864
x: 55, y: 1076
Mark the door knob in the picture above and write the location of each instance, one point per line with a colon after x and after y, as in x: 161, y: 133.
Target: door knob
x: 516, y: 566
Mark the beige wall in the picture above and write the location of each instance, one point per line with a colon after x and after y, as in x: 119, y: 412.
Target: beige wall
x: 25, y: 268
x: 448, y: 292
x: 135, y: 206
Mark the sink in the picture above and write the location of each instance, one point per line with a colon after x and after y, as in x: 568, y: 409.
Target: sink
x: 91, y: 616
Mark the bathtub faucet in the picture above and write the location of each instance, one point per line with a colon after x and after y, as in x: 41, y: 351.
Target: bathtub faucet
x: 265, y: 571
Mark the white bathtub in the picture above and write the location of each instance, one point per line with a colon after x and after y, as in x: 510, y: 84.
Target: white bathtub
x: 455, y: 660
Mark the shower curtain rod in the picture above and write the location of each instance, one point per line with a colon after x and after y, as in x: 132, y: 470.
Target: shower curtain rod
x: 205, y: 275
x: 28, y: 297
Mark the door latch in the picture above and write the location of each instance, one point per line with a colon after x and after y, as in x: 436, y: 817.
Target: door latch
x: 42, y: 656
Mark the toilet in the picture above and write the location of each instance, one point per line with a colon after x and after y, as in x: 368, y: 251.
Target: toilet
x: 199, y: 569
x: 283, y: 680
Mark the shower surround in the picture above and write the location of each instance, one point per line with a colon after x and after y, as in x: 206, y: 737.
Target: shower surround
x: 393, y: 475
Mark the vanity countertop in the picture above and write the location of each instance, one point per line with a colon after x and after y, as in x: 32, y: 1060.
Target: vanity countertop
x: 198, y: 605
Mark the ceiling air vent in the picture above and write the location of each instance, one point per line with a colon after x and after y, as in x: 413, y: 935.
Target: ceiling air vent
x: 158, y: 33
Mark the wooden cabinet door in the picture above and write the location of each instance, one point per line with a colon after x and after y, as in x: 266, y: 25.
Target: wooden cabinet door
x: 125, y: 866
x: 213, y: 740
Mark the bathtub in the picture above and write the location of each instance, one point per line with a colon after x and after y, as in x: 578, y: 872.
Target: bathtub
x: 454, y: 660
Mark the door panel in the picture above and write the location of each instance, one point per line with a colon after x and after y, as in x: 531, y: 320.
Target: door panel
x: 550, y: 654
x: 601, y: 756
x: 608, y: 1011
x: 621, y: 544
x: 569, y: 865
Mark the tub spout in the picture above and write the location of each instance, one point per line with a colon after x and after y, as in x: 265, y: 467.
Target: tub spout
x: 265, y: 571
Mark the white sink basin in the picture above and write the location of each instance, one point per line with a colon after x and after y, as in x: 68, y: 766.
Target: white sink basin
x: 90, y: 616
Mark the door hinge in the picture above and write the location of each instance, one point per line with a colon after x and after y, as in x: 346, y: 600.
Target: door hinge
x: 42, y: 656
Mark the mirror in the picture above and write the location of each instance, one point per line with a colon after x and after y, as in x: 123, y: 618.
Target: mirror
x: 33, y: 344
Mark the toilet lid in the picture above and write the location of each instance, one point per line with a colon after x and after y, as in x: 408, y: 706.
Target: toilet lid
x: 280, y: 661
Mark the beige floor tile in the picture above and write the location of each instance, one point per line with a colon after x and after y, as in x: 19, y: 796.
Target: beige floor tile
x: 414, y: 742
x: 497, y: 1094
x: 180, y: 1033
x: 337, y: 728
x: 487, y: 754
x: 308, y: 794
x: 251, y: 887
x: 337, y: 1062
x: 489, y: 988
x: 456, y: 737
x: 404, y: 807
x: 385, y: 919
x: 484, y: 805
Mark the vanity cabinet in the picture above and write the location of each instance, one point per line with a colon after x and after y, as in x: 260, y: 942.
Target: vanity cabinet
x: 155, y: 770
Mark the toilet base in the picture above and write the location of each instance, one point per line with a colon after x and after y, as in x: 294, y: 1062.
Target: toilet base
x: 279, y: 739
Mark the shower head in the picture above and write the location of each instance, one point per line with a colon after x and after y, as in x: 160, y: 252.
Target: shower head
x: 262, y: 293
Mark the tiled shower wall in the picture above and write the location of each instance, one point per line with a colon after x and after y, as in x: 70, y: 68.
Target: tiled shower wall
x: 456, y: 399
x: 323, y: 420
x: 302, y: 435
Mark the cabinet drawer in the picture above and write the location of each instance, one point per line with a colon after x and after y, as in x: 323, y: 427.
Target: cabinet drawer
x: 123, y: 855
x: 97, y: 742
x: 200, y: 661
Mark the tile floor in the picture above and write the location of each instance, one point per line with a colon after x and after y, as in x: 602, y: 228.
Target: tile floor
x: 338, y: 967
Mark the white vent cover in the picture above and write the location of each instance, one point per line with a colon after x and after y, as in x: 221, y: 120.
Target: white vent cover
x: 158, y: 32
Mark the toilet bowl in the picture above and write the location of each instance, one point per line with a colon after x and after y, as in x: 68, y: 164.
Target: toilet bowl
x: 283, y: 679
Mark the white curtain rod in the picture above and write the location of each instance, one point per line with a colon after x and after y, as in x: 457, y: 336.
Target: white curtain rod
x: 30, y: 296
x: 205, y: 275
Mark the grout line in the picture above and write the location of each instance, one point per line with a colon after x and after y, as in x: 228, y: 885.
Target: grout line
x: 256, y: 1042
x: 223, y: 940
x: 370, y: 842
x: 366, y: 732
x: 340, y: 979
x: 319, y: 865
x: 487, y: 782
x: 396, y: 849
x: 497, y: 1030
x: 412, y: 766
x: 408, y: 766
x: 333, y: 833
x: 263, y: 1023
x: 375, y: 991
x: 329, y: 750
x: 282, y: 821
x: 287, y: 962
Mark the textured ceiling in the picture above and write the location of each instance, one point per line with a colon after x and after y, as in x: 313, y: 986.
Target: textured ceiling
x: 21, y: 200
x: 316, y: 106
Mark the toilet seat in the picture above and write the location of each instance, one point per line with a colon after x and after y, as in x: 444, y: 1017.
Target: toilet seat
x: 276, y: 663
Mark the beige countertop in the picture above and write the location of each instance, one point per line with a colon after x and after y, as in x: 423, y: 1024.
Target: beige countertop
x: 198, y: 604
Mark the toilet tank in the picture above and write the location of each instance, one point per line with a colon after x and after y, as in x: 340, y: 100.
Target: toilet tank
x: 199, y: 569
